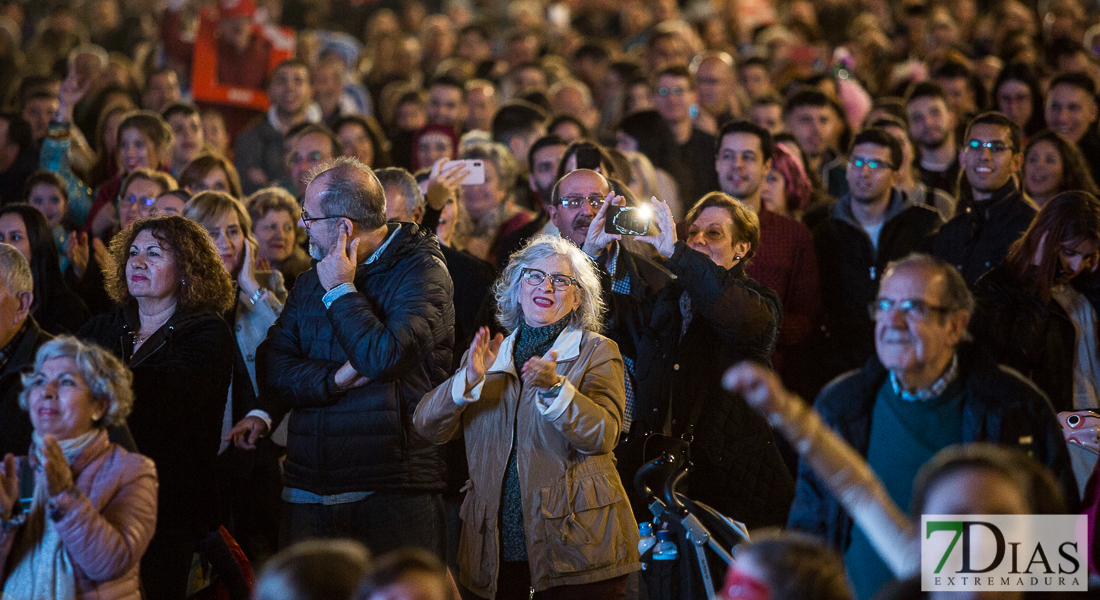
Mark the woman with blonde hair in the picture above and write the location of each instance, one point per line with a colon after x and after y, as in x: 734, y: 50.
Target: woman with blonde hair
x: 245, y: 478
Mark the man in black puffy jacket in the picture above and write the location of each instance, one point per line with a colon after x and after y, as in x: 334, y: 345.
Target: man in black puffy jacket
x: 362, y: 338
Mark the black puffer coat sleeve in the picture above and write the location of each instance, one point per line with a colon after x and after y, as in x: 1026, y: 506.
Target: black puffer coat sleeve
x: 286, y: 375
x: 384, y: 346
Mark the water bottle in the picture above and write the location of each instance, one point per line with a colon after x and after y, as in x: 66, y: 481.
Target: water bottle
x: 648, y: 539
x: 665, y: 548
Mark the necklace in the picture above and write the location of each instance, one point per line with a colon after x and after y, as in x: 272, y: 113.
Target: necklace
x: 140, y: 339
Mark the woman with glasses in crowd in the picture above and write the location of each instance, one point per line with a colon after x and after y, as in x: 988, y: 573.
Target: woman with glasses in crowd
x: 541, y: 412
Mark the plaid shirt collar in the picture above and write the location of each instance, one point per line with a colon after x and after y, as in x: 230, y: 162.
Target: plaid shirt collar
x: 934, y: 391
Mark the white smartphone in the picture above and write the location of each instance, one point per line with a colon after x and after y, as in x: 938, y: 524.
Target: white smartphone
x: 475, y: 170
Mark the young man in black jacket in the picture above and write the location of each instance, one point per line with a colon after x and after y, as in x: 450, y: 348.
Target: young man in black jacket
x: 991, y: 210
x: 362, y: 338
x: 866, y: 229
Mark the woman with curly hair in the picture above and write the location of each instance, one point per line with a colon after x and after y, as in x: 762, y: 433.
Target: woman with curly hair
x: 170, y: 288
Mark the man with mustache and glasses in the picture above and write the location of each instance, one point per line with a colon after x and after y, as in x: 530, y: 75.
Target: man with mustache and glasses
x: 578, y: 202
x: 922, y: 391
x: 867, y: 228
x: 991, y: 211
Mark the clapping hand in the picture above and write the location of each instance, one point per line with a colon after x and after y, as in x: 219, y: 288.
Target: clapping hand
x: 9, y: 486
x: 56, y: 471
x: 665, y: 238
x: 541, y: 373
x: 483, y: 351
x: 598, y: 239
x: 247, y: 276
x: 338, y: 267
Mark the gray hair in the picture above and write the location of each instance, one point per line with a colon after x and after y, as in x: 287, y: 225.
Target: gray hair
x: 352, y: 191
x: 406, y: 183
x: 956, y: 295
x: 108, y: 378
x: 502, y: 160
x: 15, y: 271
x: 506, y: 289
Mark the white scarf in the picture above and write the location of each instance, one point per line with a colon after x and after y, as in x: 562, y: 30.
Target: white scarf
x: 45, y: 570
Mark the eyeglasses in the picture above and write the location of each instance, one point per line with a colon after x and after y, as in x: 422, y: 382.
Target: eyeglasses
x: 876, y: 165
x: 140, y: 200
x: 595, y: 201
x: 536, y: 277
x: 673, y: 91
x: 308, y: 219
x: 911, y: 309
x: 296, y: 158
x: 995, y: 146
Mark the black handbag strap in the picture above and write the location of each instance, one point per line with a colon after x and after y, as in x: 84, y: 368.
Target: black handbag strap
x: 696, y: 412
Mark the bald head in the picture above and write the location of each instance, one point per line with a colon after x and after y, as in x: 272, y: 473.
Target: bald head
x: 583, y: 190
x: 348, y: 188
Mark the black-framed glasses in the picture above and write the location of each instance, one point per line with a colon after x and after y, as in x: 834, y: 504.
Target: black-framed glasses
x: 875, y: 164
x: 595, y: 201
x: 670, y: 91
x: 911, y: 308
x: 306, y: 219
x: 996, y: 146
x: 536, y: 277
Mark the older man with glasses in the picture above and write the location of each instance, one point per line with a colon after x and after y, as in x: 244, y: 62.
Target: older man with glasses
x: 363, y: 336
x: 923, y: 390
x: 867, y: 228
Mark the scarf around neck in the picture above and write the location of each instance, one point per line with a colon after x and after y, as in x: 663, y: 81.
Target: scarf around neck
x: 44, y: 569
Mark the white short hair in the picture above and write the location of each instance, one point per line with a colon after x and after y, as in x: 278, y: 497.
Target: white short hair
x: 108, y: 378
x: 589, y: 315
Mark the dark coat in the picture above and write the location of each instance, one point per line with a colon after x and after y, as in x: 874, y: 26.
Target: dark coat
x: 850, y: 269
x: 15, y: 424
x: 977, y: 240
x: 181, y: 382
x: 999, y: 406
x: 62, y: 311
x: 397, y: 329
x: 738, y: 469
x: 1036, y: 338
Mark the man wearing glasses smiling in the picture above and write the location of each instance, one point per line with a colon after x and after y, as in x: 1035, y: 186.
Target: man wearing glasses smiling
x: 867, y: 228
x: 991, y: 210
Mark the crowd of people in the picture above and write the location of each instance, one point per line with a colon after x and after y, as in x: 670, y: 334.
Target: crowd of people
x: 401, y: 295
